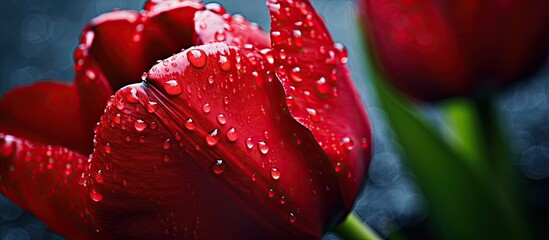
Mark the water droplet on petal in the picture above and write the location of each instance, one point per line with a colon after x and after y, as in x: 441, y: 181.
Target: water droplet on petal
x: 117, y: 118
x: 275, y: 173
x: 283, y: 200
x: 95, y: 196
x: 167, y: 144
x: 268, y: 54
x: 249, y: 143
x: 172, y: 87
x: 337, y: 167
x: 131, y: 95
x: 99, y: 177
x: 190, y: 125
x: 321, y: 86
x: 206, y: 108
x: 313, y: 115
x: 221, y: 119
x: 197, y: 58
x: 271, y: 192
x: 220, y: 35
x: 218, y: 166
x: 211, y: 79
x: 276, y: 37
x: 140, y: 125
x: 298, y: 39
x: 152, y: 106
x: 296, y: 75
x: 292, y: 218
x: 7, y: 146
x: 232, y: 135
x: 263, y: 148
x: 212, y: 138
x: 347, y: 143
x: 342, y: 52
x: 107, y: 148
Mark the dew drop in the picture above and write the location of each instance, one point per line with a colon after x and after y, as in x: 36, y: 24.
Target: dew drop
x: 166, y: 158
x: 95, y: 196
x: 313, y: 115
x: 337, y: 167
x: 131, y: 95
x: 276, y: 37
x: 190, y: 125
x: 212, y: 138
x: 249, y: 143
x: 292, y: 218
x: 232, y: 135
x: 206, y: 108
x: 98, y: 177
x: 298, y: 39
x: 107, y: 148
x: 197, y: 58
x: 290, y: 101
x: 220, y: 35
x: 268, y: 54
x: 167, y: 144
x: 120, y: 104
x: 226, y: 100
x: 321, y: 86
x: 271, y: 192
x: 263, y: 148
x: 218, y: 166
x: 211, y: 79
x: 296, y: 75
x: 283, y: 200
x: 221, y: 119
x: 7, y: 146
x: 172, y: 87
x: 117, y: 118
x: 152, y: 106
x: 347, y: 143
x: 275, y: 173
x: 342, y: 53
x: 140, y: 125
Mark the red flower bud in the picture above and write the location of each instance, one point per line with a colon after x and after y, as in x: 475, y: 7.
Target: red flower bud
x: 434, y: 49
x: 235, y: 137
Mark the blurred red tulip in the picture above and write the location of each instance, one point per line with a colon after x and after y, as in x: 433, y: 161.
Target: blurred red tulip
x: 236, y: 137
x: 433, y: 49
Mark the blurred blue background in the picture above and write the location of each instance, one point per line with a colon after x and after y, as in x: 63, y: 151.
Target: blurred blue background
x: 38, y: 38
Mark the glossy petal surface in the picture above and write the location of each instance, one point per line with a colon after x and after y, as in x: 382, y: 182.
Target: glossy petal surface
x: 46, y: 112
x: 47, y: 180
x: 319, y: 91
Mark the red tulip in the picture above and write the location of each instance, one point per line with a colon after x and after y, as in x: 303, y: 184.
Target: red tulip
x: 434, y: 49
x: 234, y: 137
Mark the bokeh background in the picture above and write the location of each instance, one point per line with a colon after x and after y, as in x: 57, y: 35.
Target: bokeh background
x: 37, y: 39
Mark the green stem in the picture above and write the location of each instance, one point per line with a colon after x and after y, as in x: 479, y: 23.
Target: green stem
x: 353, y: 228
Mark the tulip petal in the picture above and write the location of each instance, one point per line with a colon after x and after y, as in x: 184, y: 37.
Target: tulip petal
x: 118, y: 47
x: 211, y: 143
x: 320, y: 92
x: 417, y: 30
x: 215, y: 25
x: 47, y: 181
x: 46, y: 112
